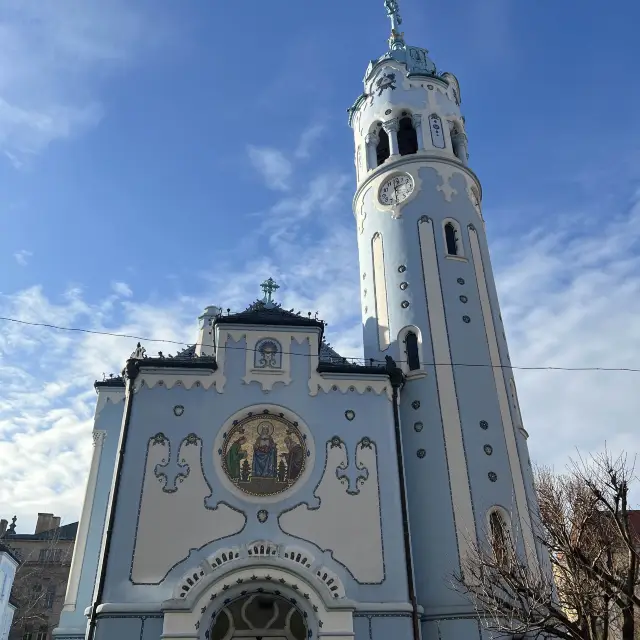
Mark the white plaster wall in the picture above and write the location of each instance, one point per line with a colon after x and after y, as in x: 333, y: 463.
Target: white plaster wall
x: 347, y: 524
x: 176, y: 522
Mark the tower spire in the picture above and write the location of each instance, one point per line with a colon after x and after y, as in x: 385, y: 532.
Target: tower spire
x: 393, y: 12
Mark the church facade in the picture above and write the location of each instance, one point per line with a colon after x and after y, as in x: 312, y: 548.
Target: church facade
x: 258, y: 485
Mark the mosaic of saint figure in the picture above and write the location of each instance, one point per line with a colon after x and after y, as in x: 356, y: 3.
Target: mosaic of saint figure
x: 294, y: 458
x: 264, y: 455
x: 265, y: 452
x: 235, y: 455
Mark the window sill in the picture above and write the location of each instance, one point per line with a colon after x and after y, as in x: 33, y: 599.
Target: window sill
x: 448, y: 256
x: 269, y: 372
x: 417, y: 373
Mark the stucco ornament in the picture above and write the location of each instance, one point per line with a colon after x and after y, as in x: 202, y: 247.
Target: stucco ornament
x: 264, y: 454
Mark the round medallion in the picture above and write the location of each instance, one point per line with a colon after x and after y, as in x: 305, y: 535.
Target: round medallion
x: 178, y: 410
x: 404, y: 304
x: 488, y: 449
x: 402, y: 268
x: 418, y: 426
x: 484, y: 424
x: 466, y: 319
x: 460, y: 280
x: 421, y: 453
x: 492, y: 476
x: 404, y: 285
x: 349, y: 414
x: 416, y: 404
x: 396, y: 189
x: 264, y: 455
x: 263, y: 516
x: 464, y: 299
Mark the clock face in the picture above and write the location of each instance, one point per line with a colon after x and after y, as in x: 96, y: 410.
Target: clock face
x: 394, y: 190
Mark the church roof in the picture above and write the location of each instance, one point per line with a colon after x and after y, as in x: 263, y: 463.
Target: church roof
x: 261, y: 312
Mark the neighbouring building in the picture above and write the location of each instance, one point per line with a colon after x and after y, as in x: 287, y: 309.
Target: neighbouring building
x: 258, y: 485
x: 41, y: 579
x: 9, y: 563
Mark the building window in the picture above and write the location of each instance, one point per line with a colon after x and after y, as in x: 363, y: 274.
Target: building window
x: 383, y: 150
x: 43, y: 633
x: 413, y: 355
x: 268, y: 354
x: 407, y: 136
x: 50, y: 555
x: 437, y: 132
x: 452, y: 239
x: 500, y: 538
x: 50, y: 596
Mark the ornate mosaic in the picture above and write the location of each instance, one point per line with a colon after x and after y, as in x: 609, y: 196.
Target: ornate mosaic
x: 264, y: 455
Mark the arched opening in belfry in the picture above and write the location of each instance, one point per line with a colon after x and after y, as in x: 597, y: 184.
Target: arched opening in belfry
x: 451, y: 239
x: 500, y: 538
x: 407, y: 136
x: 383, y: 150
x: 259, y: 615
x: 413, y: 354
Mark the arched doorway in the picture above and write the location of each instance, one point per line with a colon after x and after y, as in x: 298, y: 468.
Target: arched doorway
x: 256, y: 616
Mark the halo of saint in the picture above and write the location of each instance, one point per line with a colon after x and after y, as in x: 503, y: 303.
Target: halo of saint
x: 264, y: 454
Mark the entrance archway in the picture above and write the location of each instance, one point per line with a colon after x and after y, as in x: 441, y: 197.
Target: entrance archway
x: 257, y: 616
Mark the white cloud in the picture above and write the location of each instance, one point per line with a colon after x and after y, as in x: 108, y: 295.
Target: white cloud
x: 308, y: 139
x: 122, y: 289
x: 569, y: 298
x: 49, y: 56
x: 272, y: 165
x: 22, y: 257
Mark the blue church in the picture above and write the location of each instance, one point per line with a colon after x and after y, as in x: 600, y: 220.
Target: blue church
x: 258, y: 485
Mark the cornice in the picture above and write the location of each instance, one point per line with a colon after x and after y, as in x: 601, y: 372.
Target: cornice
x: 421, y: 157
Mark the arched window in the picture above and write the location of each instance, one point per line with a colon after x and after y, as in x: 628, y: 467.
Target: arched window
x: 451, y: 238
x: 259, y: 616
x: 407, y: 136
x: 268, y: 354
x: 383, y: 150
x: 500, y: 538
x: 413, y: 355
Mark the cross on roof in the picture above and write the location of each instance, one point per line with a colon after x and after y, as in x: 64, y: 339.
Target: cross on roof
x: 393, y: 11
x: 269, y: 287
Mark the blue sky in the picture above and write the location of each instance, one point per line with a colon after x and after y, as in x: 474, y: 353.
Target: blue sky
x: 156, y: 157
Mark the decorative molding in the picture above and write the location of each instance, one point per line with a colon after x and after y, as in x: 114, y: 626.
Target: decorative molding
x: 445, y: 166
x: 77, y: 561
x: 325, y: 615
x: 263, y: 410
x: 106, y: 396
x: 349, y: 500
x: 503, y: 403
x: 454, y: 444
x: 181, y: 376
x: 193, y: 522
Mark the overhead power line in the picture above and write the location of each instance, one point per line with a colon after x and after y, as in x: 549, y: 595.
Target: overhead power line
x: 304, y: 355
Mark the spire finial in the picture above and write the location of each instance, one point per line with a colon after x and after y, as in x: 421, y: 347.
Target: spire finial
x: 269, y: 287
x: 393, y: 12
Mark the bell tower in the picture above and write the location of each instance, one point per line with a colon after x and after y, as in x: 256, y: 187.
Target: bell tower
x: 429, y: 301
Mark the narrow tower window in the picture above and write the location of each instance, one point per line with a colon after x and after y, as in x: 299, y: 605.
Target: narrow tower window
x: 451, y: 238
x: 500, y: 539
x: 413, y: 355
x: 407, y: 136
x: 437, y: 133
x: 383, y: 151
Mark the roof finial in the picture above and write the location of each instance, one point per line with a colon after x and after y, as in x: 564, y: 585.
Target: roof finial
x: 269, y: 287
x: 393, y: 11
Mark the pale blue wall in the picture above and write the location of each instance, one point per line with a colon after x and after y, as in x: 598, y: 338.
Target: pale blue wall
x: 205, y: 413
x: 129, y: 627
x: 109, y: 420
x: 435, y: 552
